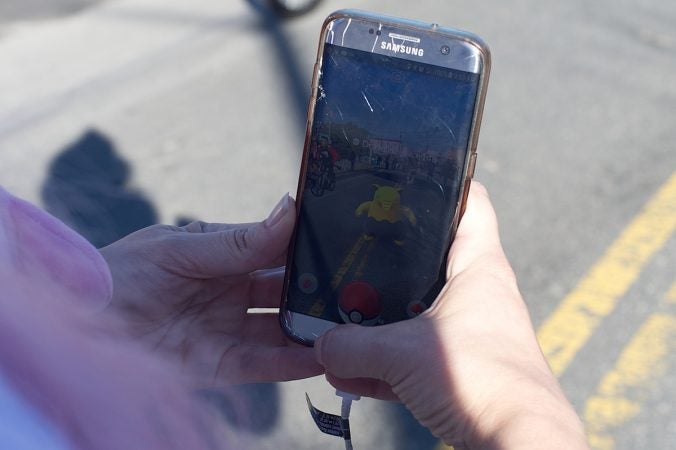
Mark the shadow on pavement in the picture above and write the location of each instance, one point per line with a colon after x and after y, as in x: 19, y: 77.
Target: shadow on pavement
x: 86, y: 187
x: 11, y: 10
x: 248, y: 407
x: 296, y: 82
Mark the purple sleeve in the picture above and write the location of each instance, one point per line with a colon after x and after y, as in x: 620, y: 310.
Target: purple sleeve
x: 39, y: 247
x: 61, y: 355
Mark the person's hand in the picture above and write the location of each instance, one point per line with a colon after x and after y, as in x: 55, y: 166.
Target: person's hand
x: 185, y: 292
x: 469, y: 368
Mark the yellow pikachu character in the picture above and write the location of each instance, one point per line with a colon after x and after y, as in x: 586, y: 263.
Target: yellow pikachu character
x: 386, y: 207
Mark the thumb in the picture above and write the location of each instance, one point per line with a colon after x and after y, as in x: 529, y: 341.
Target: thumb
x: 354, y: 351
x: 241, y: 248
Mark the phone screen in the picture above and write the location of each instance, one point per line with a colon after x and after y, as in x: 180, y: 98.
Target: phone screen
x: 384, y: 173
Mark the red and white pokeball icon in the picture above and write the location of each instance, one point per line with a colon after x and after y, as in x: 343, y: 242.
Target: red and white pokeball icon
x: 359, y: 303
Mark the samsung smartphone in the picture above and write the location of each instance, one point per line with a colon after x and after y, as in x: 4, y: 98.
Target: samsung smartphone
x: 390, y: 149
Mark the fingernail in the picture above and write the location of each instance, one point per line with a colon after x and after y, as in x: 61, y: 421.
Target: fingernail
x: 278, y: 211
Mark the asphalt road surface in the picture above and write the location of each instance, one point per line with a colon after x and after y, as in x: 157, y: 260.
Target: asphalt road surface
x: 143, y: 111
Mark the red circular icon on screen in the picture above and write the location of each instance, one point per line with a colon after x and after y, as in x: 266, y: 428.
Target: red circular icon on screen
x: 307, y: 283
x: 415, y: 308
x: 359, y: 303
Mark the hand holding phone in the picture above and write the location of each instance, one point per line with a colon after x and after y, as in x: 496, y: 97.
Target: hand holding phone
x: 390, y: 149
x: 469, y: 368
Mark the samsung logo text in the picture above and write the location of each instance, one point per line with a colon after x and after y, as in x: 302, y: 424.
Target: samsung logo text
x: 400, y: 48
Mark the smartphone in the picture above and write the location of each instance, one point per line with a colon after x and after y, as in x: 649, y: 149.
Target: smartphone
x: 390, y: 148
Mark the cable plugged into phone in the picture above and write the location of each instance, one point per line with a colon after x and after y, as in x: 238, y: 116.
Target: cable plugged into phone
x: 345, y: 407
x: 333, y: 424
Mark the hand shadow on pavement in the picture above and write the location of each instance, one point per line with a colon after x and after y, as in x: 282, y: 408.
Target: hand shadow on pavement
x: 86, y: 187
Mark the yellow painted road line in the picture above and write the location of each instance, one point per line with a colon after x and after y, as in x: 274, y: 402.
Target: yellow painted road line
x: 347, y: 262
x: 317, y: 309
x: 569, y: 327
x: 671, y: 295
x: 622, y: 391
x: 359, y: 272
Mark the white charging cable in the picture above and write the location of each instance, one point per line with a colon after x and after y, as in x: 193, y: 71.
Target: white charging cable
x: 345, y: 407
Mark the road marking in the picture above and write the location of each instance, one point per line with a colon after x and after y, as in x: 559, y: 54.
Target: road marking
x: 347, y: 262
x: 359, y: 272
x: 622, y: 391
x: 578, y: 315
x: 317, y: 309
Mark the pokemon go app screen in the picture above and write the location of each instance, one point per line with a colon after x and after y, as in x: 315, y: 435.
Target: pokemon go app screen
x: 385, y: 165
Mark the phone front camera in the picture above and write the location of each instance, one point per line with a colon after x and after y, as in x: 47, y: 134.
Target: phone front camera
x: 371, y: 31
x: 445, y: 49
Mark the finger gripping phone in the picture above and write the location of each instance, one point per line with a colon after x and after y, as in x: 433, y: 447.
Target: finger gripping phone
x: 390, y: 149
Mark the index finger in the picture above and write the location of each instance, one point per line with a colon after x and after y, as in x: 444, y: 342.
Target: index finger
x: 235, y: 249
